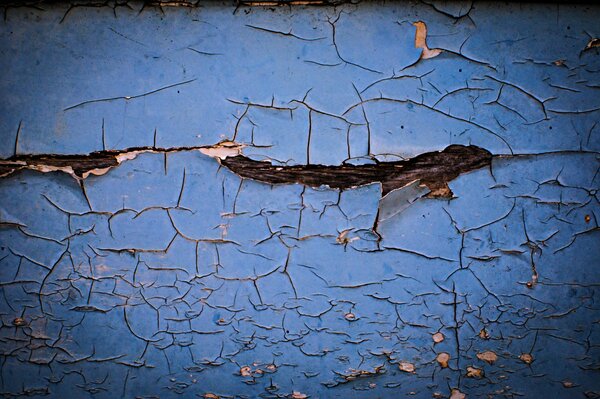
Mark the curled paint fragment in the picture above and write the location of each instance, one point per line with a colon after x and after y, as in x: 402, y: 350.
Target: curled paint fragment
x: 223, y: 149
x: 401, y: 198
x: 246, y: 371
x: 592, y: 43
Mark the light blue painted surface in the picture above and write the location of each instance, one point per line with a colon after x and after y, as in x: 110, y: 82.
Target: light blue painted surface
x: 164, y: 291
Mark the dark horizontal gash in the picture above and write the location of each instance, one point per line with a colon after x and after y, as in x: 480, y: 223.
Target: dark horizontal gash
x: 433, y: 169
x: 79, y: 165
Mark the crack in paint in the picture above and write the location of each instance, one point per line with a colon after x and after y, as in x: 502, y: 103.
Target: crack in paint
x: 100, y: 162
x: 433, y: 169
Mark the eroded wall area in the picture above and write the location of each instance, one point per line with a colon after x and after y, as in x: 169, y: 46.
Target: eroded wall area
x: 140, y: 256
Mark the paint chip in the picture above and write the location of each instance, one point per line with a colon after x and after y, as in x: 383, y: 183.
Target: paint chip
x: 406, y: 367
x: 568, y: 384
x: 272, y: 368
x: 350, y: 316
x: 474, y: 372
x: 19, y: 322
x: 526, y: 358
x: 593, y: 43
x: 456, y: 394
x: 223, y: 149
x: 443, y: 358
x: 487, y: 356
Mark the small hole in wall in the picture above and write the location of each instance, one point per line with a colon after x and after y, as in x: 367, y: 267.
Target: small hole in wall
x: 550, y: 128
x: 460, y: 70
x: 402, y: 127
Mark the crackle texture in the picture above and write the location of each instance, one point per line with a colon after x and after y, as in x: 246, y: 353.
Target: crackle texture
x: 167, y: 274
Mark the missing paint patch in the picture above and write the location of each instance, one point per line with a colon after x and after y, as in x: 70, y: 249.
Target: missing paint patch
x: 432, y: 169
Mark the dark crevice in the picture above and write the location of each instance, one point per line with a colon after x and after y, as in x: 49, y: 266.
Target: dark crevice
x: 433, y: 169
x: 80, y: 164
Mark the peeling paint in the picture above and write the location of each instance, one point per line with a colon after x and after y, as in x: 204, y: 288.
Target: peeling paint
x: 275, y: 200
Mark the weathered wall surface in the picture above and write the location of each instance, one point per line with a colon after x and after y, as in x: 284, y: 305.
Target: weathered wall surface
x: 162, y: 273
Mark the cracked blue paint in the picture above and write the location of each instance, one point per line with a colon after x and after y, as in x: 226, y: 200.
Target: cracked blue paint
x: 170, y: 276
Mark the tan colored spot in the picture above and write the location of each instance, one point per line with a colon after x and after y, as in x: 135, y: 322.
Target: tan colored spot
x: 487, y: 356
x: 441, y: 192
x: 19, y: 322
x: 587, y: 218
x: 526, y: 358
x: 437, y: 337
x: 211, y: 396
x: 456, y: 394
x: 223, y: 149
x: 593, y: 43
x: 474, y: 372
x: 483, y: 334
x: 246, y: 371
x: 421, y: 41
x: 298, y: 395
x: 343, y: 238
x: 350, y: 316
x: 406, y: 367
x: 443, y: 358
x: 568, y: 384
x: 272, y: 367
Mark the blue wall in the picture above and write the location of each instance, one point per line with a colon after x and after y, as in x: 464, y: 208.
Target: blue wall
x: 170, y: 276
